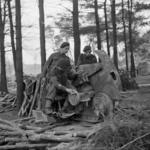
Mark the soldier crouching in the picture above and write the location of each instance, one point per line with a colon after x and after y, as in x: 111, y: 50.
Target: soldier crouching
x: 58, y: 84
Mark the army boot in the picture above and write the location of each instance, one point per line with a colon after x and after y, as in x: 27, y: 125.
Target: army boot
x: 48, y: 107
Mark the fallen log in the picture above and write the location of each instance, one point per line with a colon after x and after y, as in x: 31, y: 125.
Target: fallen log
x: 51, y: 127
x: 6, y: 127
x: 24, y: 119
x: 10, y: 126
x: 7, y: 123
x: 51, y: 138
x: 27, y: 127
x: 10, y: 133
x: 24, y: 146
x: 7, y: 108
x: 5, y: 97
x: 60, y: 132
x: 76, y: 134
x: 15, y: 140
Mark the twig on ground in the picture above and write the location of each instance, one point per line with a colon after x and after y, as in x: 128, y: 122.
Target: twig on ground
x: 131, y: 142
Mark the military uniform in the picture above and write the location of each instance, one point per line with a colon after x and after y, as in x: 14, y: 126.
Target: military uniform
x: 51, y: 63
x: 86, y: 59
x: 57, y: 71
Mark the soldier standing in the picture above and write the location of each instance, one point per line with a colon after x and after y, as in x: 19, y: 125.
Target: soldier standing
x: 87, y: 57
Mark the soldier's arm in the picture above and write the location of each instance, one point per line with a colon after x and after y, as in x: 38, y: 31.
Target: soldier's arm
x: 79, y: 62
x: 47, y: 64
x: 57, y: 84
x: 94, y: 60
x: 72, y: 74
x: 68, y: 90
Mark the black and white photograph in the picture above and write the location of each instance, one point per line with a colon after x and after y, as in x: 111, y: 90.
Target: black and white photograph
x: 74, y: 74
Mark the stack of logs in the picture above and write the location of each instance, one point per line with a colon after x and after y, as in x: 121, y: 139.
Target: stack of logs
x: 18, y: 135
x: 7, y: 103
x: 31, y: 94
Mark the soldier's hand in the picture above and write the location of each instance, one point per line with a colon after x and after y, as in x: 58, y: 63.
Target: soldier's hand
x: 85, y: 77
x: 80, y: 71
x: 71, y: 91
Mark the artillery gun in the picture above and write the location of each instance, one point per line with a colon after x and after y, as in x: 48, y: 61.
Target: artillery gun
x: 98, y: 90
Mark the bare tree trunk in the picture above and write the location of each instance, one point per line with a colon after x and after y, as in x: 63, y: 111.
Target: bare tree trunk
x: 106, y: 27
x: 3, y: 79
x: 97, y: 25
x: 133, y: 74
x: 76, y: 32
x: 12, y: 34
x: 19, y: 64
x: 113, y: 14
x: 125, y: 38
x: 42, y: 33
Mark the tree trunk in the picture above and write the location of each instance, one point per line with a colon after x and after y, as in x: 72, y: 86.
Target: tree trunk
x: 125, y: 38
x: 42, y: 33
x: 12, y: 34
x: 3, y: 79
x: 133, y: 74
x: 97, y: 25
x: 76, y: 32
x: 113, y: 14
x: 106, y: 27
x: 19, y: 64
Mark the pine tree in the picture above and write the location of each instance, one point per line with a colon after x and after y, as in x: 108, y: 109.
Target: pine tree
x: 19, y: 64
x: 3, y: 79
x: 42, y: 33
x: 76, y: 32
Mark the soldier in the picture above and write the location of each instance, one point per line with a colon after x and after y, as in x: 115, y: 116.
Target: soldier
x: 87, y: 57
x: 57, y: 71
x: 54, y: 58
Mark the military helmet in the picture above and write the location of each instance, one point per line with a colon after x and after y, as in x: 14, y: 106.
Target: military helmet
x: 87, y: 48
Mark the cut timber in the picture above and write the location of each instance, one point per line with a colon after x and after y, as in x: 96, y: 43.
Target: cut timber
x: 10, y: 134
x: 24, y: 146
x: 27, y: 127
x: 35, y: 95
x: 51, y: 138
x: 8, y: 123
x: 24, y: 119
x: 8, y: 128
x: 16, y: 140
x: 51, y: 127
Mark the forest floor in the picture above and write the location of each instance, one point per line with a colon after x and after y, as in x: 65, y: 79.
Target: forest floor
x: 130, y: 129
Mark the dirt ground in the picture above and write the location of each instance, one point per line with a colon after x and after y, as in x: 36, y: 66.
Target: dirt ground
x: 132, y: 127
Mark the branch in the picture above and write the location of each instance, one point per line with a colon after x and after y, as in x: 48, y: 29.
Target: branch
x: 131, y: 142
x: 66, y: 8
